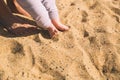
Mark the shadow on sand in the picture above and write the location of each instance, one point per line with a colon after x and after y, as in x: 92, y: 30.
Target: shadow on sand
x: 25, y: 31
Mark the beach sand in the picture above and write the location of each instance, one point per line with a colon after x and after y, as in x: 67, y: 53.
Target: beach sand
x: 90, y: 50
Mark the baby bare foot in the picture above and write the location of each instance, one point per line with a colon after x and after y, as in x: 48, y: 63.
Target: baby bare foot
x: 52, y: 31
x: 59, y: 25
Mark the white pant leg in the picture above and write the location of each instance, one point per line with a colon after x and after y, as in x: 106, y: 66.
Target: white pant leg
x: 37, y: 10
x: 51, y: 8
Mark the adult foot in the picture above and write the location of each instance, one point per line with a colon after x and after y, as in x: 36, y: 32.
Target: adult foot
x: 18, y: 27
x: 21, y: 29
x: 59, y: 25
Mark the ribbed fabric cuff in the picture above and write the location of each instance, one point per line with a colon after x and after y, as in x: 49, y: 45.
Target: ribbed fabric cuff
x: 54, y: 15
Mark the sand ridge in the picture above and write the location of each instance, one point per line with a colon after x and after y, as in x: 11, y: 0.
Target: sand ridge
x: 90, y: 50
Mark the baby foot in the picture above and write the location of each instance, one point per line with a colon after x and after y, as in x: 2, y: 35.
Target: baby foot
x: 52, y: 31
x: 59, y: 25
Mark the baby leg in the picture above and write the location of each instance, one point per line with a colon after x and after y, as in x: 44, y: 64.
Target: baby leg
x: 51, y: 7
x: 36, y: 9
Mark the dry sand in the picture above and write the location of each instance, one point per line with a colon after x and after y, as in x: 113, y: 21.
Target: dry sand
x: 90, y: 50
